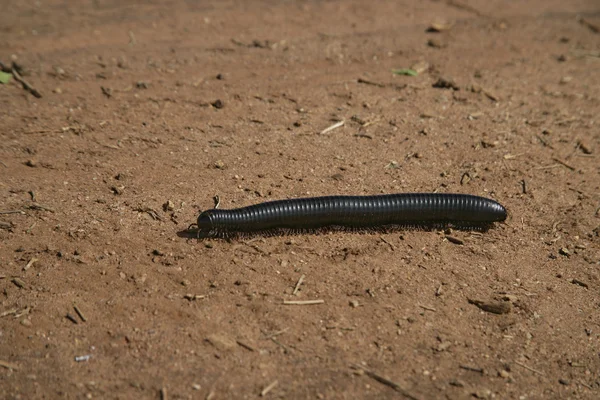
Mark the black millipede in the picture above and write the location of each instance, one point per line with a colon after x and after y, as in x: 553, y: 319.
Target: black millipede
x: 380, y: 212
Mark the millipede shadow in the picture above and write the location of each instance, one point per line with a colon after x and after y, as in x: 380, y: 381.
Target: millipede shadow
x: 188, y: 234
x: 193, y: 233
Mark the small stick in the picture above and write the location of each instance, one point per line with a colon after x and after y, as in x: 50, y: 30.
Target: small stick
x: 268, y: 388
x: 366, y: 82
x: 577, y: 365
x: 332, y: 127
x: 367, y: 123
x: 29, y: 264
x: 244, y: 345
x: 217, y: 201
x: 438, y: 291
x: 548, y: 166
x: 8, y: 365
x: 8, y: 312
x: 25, y: 84
x: 386, y: 382
x: 78, y: 311
x: 22, y: 312
x: 579, y: 283
x: 272, y: 335
x: 163, y: 394
x: 18, y: 283
x: 529, y: 368
x: 132, y: 42
x: 427, y: 308
x: 278, y: 343
x: 594, y: 28
x: 465, y: 7
x: 192, y: 297
x: 490, y: 95
x: 71, y: 318
x: 563, y: 163
x: 12, y: 212
x: 586, y: 385
x: 303, y: 302
x: 388, y: 243
x: 544, y: 142
x: 455, y: 240
x: 472, y: 369
x: 5, y: 225
x: 513, y: 156
x: 28, y: 231
x: 494, y: 307
x: 40, y: 207
x: 297, y: 287
x: 575, y: 148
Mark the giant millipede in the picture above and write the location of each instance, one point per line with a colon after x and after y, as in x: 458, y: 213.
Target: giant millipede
x: 425, y: 210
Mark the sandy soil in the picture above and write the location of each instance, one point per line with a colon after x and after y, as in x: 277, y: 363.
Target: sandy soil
x: 148, y: 109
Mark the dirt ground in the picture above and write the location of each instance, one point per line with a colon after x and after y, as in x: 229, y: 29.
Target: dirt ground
x: 148, y: 109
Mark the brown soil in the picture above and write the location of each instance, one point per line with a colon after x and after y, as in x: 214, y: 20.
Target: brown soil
x: 149, y: 102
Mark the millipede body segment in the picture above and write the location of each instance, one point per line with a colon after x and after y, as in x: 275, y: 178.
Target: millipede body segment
x: 353, y: 213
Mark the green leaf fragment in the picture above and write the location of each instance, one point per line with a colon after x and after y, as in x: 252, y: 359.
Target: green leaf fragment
x: 405, y: 71
x: 5, y: 77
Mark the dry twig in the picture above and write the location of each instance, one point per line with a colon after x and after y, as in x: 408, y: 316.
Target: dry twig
x: 26, y: 85
x: 297, y: 287
x: 268, y: 388
x: 332, y: 127
x: 303, y: 302
x: 8, y: 365
x: 529, y: 368
x: 386, y: 382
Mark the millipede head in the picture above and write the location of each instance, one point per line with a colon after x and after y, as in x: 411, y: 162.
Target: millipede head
x: 205, y: 224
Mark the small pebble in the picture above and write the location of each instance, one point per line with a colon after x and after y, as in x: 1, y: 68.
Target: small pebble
x: 420, y: 66
x: 565, y: 79
x: 564, y: 251
x: 168, y: 206
x: 117, y: 190
x: 446, y: 83
x: 435, y: 43
x: 219, y: 164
